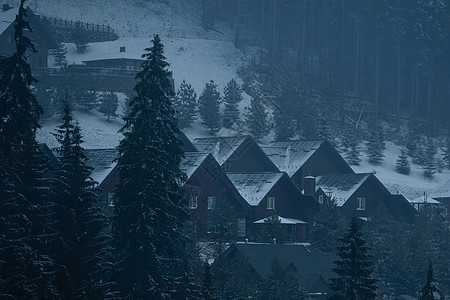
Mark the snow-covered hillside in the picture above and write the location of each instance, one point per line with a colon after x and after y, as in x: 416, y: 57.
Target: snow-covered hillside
x: 194, y: 54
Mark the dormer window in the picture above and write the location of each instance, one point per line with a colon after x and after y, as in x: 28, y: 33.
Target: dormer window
x: 270, y: 202
x: 361, y: 203
x: 321, y: 199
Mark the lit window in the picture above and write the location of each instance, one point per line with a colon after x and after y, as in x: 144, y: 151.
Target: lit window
x: 211, y: 202
x: 270, y: 202
x: 361, y: 202
x: 111, y: 199
x: 193, y: 202
x: 321, y: 199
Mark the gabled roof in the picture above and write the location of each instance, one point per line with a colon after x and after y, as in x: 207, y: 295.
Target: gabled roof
x: 424, y: 199
x: 253, y: 187
x: 221, y: 147
x: 187, y: 145
x: 441, y: 192
x: 290, y: 156
x: 307, y: 264
x: 6, y: 18
x: 102, y: 161
x: 341, y: 186
x: 191, y: 161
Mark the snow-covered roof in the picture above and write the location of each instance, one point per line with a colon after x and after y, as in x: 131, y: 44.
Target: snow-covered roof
x: 341, y: 186
x: 6, y: 18
x: 253, y: 187
x: 290, y: 156
x: 441, y: 192
x: 220, y: 147
x: 191, y: 161
x: 424, y: 199
x: 102, y: 162
x: 287, y: 221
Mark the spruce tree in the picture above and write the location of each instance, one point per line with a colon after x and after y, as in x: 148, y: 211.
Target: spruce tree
x: 85, y: 99
x: 402, y: 165
x: 232, y: 96
x: 429, y: 289
x: 108, y: 104
x: 80, y: 37
x: 185, y: 103
x: 354, y: 268
x: 148, y: 221
x: 60, y: 55
x: 284, y: 126
x: 256, y: 119
x: 83, y: 248
x: 375, y: 145
x: 328, y: 226
x: 353, y: 154
x: 26, y: 271
x: 208, y: 106
x: 429, y: 165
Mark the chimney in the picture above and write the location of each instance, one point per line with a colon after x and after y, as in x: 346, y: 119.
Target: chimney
x: 246, y: 240
x: 288, y: 158
x: 122, y: 49
x: 309, y: 185
x: 6, y: 7
x: 274, y: 241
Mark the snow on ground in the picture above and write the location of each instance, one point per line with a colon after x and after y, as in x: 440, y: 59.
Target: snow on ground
x: 194, y: 54
x: 412, y: 185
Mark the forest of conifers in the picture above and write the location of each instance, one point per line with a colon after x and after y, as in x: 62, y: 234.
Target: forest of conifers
x: 387, y: 60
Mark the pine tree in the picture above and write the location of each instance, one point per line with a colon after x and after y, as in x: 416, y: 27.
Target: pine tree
x: 272, y: 229
x: 256, y: 119
x: 26, y: 271
x: 83, y: 248
x: 108, y: 104
x: 185, y: 104
x: 80, y: 37
x: 353, y: 154
x: 354, y: 268
x: 60, y: 55
x: 429, y: 165
x: 428, y: 291
x: 375, y: 145
x: 208, y: 293
x: 86, y: 99
x: 232, y: 96
x: 208, y: 105
x: 284, y: 126
x: 328, y: 226
x: 402, y: 165
x: 148, y: 221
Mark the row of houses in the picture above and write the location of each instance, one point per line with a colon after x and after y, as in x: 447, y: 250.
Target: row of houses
x: 286, y: 179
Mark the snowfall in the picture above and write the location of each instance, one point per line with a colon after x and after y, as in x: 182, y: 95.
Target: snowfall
x: 194, y: 54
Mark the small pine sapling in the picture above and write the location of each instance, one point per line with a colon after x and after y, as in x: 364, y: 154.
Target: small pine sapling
x: 108, y: 104
x: 403, y: 166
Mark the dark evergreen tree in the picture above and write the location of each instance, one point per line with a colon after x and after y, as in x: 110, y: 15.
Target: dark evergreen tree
x: 375, y: 145
x: 232, y: 96
x: 208, y: 293
x: 80, y: 37
x: 83, y: 240
x: 429, y: 289
x: 446, y: 152
x: 280, y: 285
x: 26, y: 271
x: 328, y: 225
x: 284, y: 126
x: 185, y: 103
x: 353, y: 154
x: 403, y: 166
x: 208, y: 106
x: 85, y: 99
x: 148, y: 221
x: 60, y: 55
x: 108, y: 104
x: 272, y: 230
x: 354, y: 268
x: 429, y: 165
x: 256, y: 119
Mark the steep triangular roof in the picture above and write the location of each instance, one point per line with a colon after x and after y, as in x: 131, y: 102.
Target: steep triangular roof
x: 290, y: 156
x: 441, y: 192
x: 253, y: 187
x: 307, y: 264
x: 102, y: 162
x: 341, y: 186
x: 192, y: 160
x: 221, y: 147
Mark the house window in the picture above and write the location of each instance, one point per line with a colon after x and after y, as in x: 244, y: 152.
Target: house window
x: 193, y: 202
x: 361, y: 202
x: 211, y: 227
x: 270, y: 202
x: 321, y: 199
x: 111, y: 199
x: 241, y: 224
x: 211, y: 202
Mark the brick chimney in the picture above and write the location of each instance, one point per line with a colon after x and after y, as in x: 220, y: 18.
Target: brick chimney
x: 309, y: 185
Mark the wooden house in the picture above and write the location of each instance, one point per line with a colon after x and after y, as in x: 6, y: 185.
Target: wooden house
x: 236, y: 153
x: 273, y: 194
x: 206, y: 185
x: 360, y: 194
x: 303, y: 158
x: 442, y: 194
x: 312, y: 268
x: 39, y: 36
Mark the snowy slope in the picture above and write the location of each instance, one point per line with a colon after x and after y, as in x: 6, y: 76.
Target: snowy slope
x: 194, y: 54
